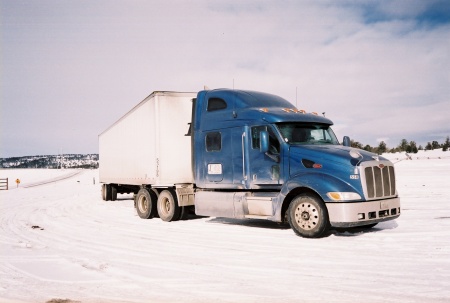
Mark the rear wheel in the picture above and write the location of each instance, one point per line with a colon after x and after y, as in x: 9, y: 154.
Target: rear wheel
x: 156, y: 199
x: 113, y: 193
x: 168, y: 208
x: 103, y: 192
x: 106, y: 192
x: 308, y: 216
x: 145, y: 203
x: 184, y: 212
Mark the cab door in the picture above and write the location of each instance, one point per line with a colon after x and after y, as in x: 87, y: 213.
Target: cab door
x: 264, y: 167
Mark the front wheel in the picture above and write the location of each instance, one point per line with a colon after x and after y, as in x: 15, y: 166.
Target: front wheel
x: 308, y: 216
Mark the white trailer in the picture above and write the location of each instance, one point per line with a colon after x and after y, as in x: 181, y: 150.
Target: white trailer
x: 140, y: 148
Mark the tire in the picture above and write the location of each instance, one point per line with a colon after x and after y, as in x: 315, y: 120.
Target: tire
x: 106, y: 192
x: 113, y: 193
x: 156, y: 199
x: 168, y: 209
x: 184, y: 212
x: 145, y: 203
x: 308, y: 216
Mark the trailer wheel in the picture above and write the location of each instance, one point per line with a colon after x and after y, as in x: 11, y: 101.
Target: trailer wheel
x: 113, y: 193
x: 308, y: 216
x: 156, y: 199
x: 145, y: 203
x: 168, y: 208
x: 106, y: 192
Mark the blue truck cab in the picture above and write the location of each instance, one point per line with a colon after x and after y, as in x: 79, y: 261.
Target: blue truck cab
x: 254, y: 155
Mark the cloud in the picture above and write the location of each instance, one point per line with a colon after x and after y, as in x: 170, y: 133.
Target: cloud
x: 69, y: 70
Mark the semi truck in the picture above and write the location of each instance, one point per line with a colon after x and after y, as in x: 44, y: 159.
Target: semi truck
x: 243, y: 154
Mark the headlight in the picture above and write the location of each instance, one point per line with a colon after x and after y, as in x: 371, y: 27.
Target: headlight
x: 343, y: 196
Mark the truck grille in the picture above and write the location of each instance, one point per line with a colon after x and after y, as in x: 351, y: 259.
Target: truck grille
x: 378, y: 180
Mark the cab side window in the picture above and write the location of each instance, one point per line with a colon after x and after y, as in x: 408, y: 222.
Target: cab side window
x: 274, y: 145
x: 216, y: 104
x: 256, y: 130
x: 213, y: 141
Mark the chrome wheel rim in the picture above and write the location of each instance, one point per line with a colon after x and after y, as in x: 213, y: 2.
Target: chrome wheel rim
x: 306, y: 216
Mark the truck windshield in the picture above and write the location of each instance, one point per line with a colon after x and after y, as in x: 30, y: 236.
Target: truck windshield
x: 307, y: 133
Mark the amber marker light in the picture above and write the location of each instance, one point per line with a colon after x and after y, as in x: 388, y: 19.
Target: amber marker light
x: 343, y: 196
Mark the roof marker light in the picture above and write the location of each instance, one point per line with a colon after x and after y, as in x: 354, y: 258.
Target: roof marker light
x: 292, y: 110
x: 265, y: 110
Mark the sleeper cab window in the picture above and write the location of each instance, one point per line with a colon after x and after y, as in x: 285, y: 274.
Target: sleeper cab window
x: 216, y: 104
x: 213, y: 141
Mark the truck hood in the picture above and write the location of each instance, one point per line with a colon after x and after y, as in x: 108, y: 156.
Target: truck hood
x: 334, y: 153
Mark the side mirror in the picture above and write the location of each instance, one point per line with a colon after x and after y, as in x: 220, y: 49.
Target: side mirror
x: 346, y: 141
x: 264, y: 141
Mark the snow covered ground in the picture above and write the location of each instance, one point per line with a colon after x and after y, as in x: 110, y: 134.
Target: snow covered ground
x: 60, y: 240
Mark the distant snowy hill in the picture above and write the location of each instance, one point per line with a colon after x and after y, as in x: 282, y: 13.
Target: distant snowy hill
x: 51, y: 161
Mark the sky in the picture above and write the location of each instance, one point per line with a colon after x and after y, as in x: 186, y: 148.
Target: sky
x: 380, y: 70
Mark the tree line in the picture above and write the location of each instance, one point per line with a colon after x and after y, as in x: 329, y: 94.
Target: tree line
x: 89, y: 161
x: 404, y: 146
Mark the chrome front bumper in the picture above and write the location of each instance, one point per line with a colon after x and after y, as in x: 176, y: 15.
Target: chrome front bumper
x: 352, y: 214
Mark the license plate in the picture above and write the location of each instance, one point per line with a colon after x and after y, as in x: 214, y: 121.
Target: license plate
x: 384, y: 205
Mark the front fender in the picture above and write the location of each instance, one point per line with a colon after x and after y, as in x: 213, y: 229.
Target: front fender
x: 321, y: 183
